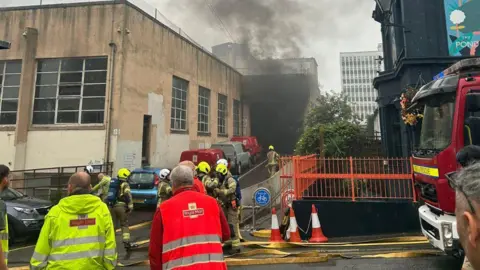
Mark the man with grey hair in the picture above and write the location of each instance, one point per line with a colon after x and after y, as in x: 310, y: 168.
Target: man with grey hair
x: 467, y: 186
x: 188, y: 228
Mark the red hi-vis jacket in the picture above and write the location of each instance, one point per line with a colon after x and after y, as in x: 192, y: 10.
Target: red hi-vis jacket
x: 192, y: 232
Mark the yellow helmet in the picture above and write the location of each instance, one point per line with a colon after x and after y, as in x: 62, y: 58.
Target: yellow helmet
x: 203, y: 167
x: 123, y: 173
x: 270, y: 147
x: 221, y: 168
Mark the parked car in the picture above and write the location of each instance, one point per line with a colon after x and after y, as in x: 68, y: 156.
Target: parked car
x: 251, y: 145
x: 237, y: 155
x: 198, y: 155
x: 143, y: 186
x: 26, y: 215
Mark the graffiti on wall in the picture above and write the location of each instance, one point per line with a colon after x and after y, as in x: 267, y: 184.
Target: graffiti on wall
x: 463, y: 27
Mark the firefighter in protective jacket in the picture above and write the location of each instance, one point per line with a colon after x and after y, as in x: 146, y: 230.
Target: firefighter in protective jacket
x: 123, y: 205
x: 164, y: 187
x: 229, y: 202
x: 210, y: 184
x: 273, y: 158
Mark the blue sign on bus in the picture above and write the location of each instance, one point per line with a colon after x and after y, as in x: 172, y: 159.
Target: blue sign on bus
x: 262, y: 196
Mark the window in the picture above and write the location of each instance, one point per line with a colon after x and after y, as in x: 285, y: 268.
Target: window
x: 178, y: 119
x: 203, y: 109
x: 70, y: 91
x: 9, y: 85
x: 236, y: 117
x: 222, y: 114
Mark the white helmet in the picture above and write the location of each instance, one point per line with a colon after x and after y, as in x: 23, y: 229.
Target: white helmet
x: 89, y: 169
x: 222, y: 161
x: 164, y: 173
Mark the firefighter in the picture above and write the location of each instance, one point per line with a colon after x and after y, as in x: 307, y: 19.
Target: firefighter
x: 101, y: 189
x: 164, y: 187
x: 272, y: 158
x: 210, y: 184
x: 229, y: 202
x: 240, y: 207
x: 77, y: 231
x: 4, y: 184
x: 123, y: 205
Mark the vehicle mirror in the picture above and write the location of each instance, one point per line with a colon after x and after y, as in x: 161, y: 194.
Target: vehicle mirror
x: 472, y: 102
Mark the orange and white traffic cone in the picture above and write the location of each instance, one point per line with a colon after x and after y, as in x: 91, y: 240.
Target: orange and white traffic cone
x: 317, y: 233
x: 294, y: 234
x: 275, y: 235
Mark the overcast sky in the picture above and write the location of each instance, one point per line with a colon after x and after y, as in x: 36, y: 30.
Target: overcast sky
x: 329, y: 26
x: 304, y: 28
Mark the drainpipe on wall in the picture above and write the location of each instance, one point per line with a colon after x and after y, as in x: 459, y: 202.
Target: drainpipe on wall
x: 113, y: 53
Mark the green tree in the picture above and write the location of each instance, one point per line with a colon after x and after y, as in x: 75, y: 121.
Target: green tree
x: 329, y: 108
x: 332, y: 116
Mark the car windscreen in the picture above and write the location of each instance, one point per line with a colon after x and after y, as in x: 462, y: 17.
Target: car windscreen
x: 10, y: 194
x: 142, y: 178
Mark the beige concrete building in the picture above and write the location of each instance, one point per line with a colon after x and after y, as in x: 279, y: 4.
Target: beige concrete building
x: 88, y: 83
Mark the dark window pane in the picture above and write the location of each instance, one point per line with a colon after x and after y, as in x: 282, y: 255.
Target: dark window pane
x: 176, y: 82
x: 8, y: 118
x: 44, y: 105
x: 96, y: 77
x: 72, y: 65
x: 94, y: 90
x: 43, y: 118
x: 46, y: 91
x: 47, y: 78
x: 172, y: 123
x: 96, y: 64
x: 68, y: 104
x: 48, y: 65
x: 9, y: 105
x: 67, y: 117
x: 68, y: 78
x: 14, y: 67
x: 2, y: 65
x: 12, y: 80
x: 10, y: 92
x: 92, y: 117
x: 93, y: 104
x: 70, y: 90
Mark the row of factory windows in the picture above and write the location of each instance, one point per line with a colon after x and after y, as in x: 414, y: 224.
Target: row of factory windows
x: 179, y: 110
x: 72, y: 91
x: 359, y: 60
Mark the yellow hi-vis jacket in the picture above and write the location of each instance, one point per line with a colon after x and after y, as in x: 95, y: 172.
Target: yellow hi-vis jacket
x: 78, y: 233
x: 4, y: 231
x: 102, y: 188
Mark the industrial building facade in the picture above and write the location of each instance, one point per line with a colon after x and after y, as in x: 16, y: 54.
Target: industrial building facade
x: 97, y: 82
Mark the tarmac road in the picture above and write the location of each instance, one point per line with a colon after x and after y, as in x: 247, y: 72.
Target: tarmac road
x: 424, y: 263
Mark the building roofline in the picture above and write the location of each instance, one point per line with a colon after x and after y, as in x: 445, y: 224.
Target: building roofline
x: 116, y: 2
x: 404, y: 62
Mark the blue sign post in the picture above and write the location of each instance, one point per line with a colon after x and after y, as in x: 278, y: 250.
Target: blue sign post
x: 262, y: 196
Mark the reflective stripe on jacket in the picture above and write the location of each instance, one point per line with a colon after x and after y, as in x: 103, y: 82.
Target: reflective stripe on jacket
x: 4, y: 239
x: 77, y: 233
x: 272, y: 157
x: 198, y: 244
x: 124, y: 195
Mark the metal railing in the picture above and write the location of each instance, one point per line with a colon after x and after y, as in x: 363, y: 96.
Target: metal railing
x: 312, y: 177
x: 51, y: 183
x: 141, y: 4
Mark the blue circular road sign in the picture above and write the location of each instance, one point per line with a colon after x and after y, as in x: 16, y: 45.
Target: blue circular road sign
x: 262, y: 196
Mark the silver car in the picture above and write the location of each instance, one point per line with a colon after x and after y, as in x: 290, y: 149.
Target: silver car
x: 25, y: 214
x: 237, y: 155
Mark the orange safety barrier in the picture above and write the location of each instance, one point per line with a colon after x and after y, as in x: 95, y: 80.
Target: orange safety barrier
x: 348, y: 178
